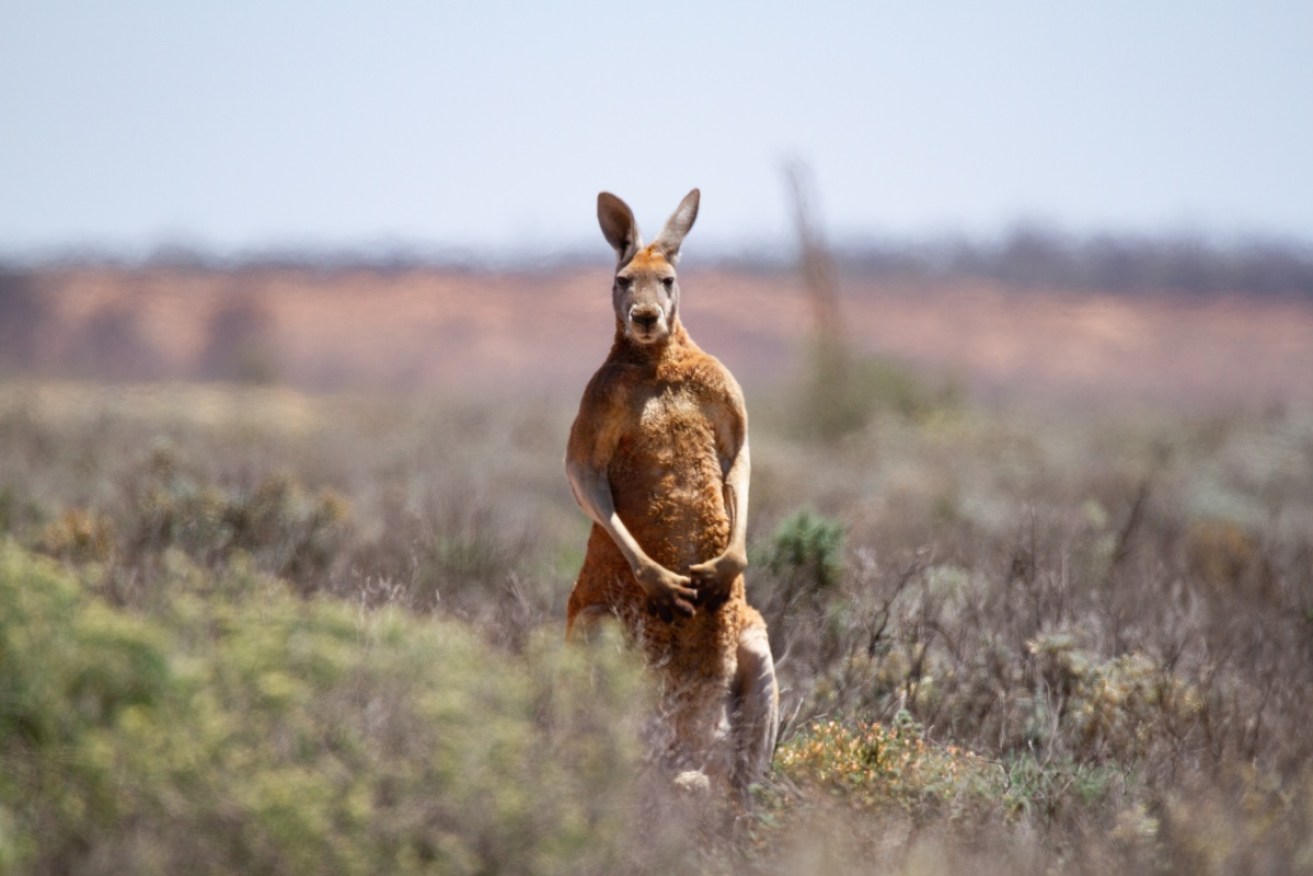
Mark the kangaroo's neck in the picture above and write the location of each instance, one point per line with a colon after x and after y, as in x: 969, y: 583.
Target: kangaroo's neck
x: 676, y: 346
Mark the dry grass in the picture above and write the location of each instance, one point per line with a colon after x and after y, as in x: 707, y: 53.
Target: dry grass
x: 1010, y: 641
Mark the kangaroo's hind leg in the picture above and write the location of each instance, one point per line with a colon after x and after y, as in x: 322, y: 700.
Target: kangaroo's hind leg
x: 585, y: 623
x: 755, y: 701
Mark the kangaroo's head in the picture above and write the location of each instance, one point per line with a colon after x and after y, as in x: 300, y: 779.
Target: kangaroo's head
x: 645, y: 293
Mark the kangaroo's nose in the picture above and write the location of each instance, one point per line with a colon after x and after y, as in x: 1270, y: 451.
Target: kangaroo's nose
x: 646, y: 319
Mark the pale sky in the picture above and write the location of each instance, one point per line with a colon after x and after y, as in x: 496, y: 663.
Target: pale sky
x: 491, y: 126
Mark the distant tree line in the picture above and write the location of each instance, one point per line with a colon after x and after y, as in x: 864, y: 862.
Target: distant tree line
x: 1027, y: 257
x: 1122, y: 264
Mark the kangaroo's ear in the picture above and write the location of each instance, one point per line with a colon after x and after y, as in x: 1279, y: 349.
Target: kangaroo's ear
x: 618, y: 226
x: 677, y: 226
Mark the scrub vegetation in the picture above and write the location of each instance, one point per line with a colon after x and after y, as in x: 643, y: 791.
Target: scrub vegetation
x: 244, y: 629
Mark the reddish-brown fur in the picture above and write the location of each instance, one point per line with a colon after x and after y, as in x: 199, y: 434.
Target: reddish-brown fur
x: 658, y: 457
x: 659, y: 413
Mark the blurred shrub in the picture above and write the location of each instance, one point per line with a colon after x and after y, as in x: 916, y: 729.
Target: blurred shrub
x: 72, y: 670
x: 874, y: 767
x: 841, y: 392
x: 291, y: 531
x: 1061, y: 792
x: 807, y: 548
x: 1110, y: 708
x: 451, y: 548
x: 18, y: 511
x: 796, y: 586
x: 1246, y: 820
x: 247, y: 731
x: 80, y: 536
x: 1223, y: 553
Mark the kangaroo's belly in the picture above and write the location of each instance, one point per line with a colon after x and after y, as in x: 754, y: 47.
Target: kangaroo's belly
x: 667, y: 482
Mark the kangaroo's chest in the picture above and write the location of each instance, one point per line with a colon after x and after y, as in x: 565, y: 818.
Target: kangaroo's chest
x: 669, y: 428
x: 666, y: 476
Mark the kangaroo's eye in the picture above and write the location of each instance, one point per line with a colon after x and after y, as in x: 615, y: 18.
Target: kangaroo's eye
x: 623, y: 282
x: 668, y: 282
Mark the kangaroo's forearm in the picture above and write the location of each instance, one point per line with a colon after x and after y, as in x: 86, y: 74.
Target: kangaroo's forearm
x: 736, y: 500
x: 593, y: 494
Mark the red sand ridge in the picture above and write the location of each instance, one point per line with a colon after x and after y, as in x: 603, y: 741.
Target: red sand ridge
x: 454, y: 332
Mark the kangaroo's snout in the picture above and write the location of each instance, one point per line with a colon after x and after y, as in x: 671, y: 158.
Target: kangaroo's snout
x: 648, y: 322
x: 645, y: 317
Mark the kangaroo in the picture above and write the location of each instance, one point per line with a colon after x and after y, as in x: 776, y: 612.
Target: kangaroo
x: 658, y: 459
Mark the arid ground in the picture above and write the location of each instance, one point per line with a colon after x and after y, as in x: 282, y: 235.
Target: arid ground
x: 284, y: 556
x: 529, y: 332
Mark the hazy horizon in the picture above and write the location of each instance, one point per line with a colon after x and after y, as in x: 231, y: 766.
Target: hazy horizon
x: 488, y: 131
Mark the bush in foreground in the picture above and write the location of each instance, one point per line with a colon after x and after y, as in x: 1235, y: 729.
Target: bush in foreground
x: 240, y: 729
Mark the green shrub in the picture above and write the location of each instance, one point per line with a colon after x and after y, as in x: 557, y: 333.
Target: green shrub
x: 1045, y: 790
x: 263, y: 734
x: 71, y: 670
x: 808, y: 549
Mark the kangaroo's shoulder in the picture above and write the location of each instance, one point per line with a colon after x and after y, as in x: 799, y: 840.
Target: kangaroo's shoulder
x: 709, y: 377
x: 613, y: 384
